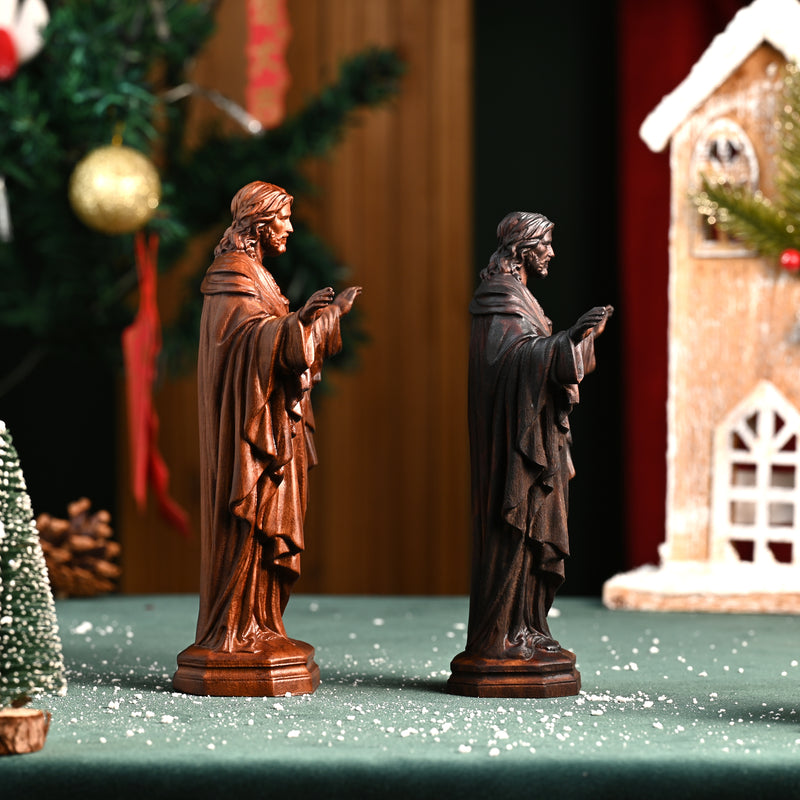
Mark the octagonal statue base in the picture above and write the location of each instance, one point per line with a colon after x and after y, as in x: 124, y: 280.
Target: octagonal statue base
x: 288, y: 666
x: 545, y: 675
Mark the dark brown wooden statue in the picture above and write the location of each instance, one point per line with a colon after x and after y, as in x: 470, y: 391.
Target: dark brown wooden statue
x: 523, y: 382
x: 257, y: 364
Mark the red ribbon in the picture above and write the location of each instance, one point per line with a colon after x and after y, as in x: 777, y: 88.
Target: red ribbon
x: 141, y: 344
x: 9, y: 60
x: 267, y: 72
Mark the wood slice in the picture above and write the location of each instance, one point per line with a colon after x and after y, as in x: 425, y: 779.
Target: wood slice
x: 22, y: 730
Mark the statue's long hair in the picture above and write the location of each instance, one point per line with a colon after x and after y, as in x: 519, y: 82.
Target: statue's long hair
x: 253, y: 204
x: 515, y: 229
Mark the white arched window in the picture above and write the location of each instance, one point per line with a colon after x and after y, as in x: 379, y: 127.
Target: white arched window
x: 756, y: 485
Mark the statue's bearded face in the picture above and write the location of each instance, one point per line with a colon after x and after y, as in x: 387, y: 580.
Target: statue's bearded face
x: 536, y: 255
x: 274, y: 232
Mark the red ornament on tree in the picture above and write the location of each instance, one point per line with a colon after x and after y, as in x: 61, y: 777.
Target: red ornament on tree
x: 790, y: 260
x: 21, y: 25
x: 8, y: 56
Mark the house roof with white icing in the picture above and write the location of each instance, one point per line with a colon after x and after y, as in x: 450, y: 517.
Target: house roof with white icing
x: 776, y: 22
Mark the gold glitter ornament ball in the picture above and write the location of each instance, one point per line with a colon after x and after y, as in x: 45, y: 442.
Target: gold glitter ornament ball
x: 115, y: 189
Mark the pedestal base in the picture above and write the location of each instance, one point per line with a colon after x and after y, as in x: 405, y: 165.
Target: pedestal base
x: 546, y: 675
x: 287, y: 667
x: 716, y: 587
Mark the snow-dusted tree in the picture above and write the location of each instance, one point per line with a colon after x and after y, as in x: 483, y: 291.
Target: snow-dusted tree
x: 31, y: 660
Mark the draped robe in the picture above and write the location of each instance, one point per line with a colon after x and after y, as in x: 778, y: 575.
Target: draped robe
x: 523, y: 383
x: 257, y: 363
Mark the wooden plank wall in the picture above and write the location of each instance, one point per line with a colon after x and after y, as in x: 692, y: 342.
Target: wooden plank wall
x: 389, y: 506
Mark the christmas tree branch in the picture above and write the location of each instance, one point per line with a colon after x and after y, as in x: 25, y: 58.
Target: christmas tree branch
x: 202, y: 191
x: 748, y: 216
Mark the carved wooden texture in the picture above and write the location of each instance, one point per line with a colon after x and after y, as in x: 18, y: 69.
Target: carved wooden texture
x: 22, y: 730
x: 545, y: 675
x: 730, y: 320
x: 389, y: 502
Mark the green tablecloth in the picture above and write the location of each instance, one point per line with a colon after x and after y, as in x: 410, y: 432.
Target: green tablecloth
x: 673, y: 705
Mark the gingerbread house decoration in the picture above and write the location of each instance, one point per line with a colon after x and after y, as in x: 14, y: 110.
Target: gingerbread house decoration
x: 733, y: 408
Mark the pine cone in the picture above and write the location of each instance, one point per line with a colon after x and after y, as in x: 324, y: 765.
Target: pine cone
x: 79, y: 552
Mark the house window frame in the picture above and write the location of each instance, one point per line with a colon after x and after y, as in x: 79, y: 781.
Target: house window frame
x: 753, y: 459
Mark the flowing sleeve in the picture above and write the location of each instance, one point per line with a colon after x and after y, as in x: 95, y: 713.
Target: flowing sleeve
x: 298, y: 349
x: 326, y: 336
x: 251, y: 366
x: 537, y: 387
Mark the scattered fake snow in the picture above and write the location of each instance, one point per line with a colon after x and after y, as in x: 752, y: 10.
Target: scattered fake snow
x: 83, y: 628
x: 407, y: 711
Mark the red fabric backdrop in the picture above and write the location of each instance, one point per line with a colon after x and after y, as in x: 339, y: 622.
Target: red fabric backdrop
x: 658, y: 44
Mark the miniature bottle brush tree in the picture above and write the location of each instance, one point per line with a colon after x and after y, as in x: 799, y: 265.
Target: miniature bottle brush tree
x: 31, y: 661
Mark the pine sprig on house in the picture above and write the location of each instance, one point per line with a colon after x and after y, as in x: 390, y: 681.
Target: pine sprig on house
x: 768, y: 226
x: 748, y: 216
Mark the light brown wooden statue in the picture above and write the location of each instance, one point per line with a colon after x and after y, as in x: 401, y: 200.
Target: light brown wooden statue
x: 257, y: 364
x: 523, y: 382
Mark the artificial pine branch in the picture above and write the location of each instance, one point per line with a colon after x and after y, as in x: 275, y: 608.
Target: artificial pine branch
x: 365, y: 80
x: 750, y: 217
x: 767, y: 226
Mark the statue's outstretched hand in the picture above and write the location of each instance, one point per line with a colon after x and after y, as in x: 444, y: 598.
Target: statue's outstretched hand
x: 592, y: 321
x: 315, y: 304
x: 346, y: 299
x: 602, y: 325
